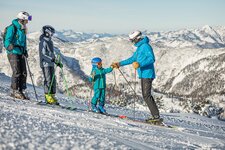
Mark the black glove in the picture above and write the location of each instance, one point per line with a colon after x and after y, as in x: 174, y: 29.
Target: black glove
x: 53, y: 60
x: 26, y: 54
x: 59, y: 64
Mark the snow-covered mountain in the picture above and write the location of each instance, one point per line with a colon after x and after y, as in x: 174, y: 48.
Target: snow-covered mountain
x: 71, y: 36
x: 189, y: 64
x: 26, y: 125
x: 205, y: 37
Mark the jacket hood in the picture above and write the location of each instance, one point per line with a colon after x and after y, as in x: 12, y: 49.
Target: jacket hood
x: 16, y: 23
x: 143, y: 41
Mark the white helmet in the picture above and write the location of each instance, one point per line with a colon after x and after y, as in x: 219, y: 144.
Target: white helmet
x: 134, y: 36
x: 24, y: 16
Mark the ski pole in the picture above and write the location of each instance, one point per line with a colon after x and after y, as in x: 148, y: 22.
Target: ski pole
x: 92, y: 84
x: 127, y: 81
x: 28, y: 67
x: 130, y: 87
x: 135, y: 79
x: 65, y: 83
x: 53, y: 77
x: 112, y: 88
x: 89, y: 101
x: 64, y: 78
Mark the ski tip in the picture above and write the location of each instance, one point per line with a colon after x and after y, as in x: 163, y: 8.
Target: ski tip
x: 122, y: 116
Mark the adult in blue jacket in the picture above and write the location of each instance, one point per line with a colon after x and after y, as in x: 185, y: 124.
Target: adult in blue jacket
x: 143, y: 60
x: 16, y: 47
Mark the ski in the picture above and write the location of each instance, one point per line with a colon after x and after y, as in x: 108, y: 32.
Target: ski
x: 56, y: 106
x: 160, y: 123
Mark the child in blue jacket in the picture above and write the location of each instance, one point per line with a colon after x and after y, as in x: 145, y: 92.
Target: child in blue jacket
x: 98, y: 80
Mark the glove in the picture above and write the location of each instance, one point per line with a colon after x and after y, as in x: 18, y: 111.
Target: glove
x: 135, y: 65
x: 10, y: 47
x: 59, y: 64
x: 115, y: 65
x: 53, y: 60
x: 26, y: 54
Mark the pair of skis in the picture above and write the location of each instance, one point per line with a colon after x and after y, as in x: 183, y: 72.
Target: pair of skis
x: 154, y: 122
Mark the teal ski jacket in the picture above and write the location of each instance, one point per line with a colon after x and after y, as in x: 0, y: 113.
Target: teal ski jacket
x: 18, y: 39
x: 145, y: 57
x: 98, y: 77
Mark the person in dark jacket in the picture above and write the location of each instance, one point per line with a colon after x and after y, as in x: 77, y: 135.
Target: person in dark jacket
x: 143, y: 60
x: 47, y: 62
x: 16, y: 48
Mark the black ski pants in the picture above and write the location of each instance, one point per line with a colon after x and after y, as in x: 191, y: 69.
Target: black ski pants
x: 19, y: 76
x: 49, y: 80
x: 146, y: 86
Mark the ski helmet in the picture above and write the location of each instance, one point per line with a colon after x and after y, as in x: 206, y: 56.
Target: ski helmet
x: 24, y: 16
x: 95, y: 61
x: 135, y: 36
x: 48, y: 30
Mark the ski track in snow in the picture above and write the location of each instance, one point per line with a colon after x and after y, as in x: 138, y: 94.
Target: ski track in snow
x: 25, y: 125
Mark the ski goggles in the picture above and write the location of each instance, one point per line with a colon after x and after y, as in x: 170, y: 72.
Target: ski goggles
x: 29, y: 18
x: 99, y: 63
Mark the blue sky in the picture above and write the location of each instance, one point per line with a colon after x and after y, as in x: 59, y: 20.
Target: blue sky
x: 116, y: 16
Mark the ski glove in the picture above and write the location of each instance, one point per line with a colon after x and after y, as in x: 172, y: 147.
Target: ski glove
x: 10, y: 47
x: 53, y: 60
x: 135, y: 65
x: 59, y: 64
x: 26, y: 54
x: 115, y: 65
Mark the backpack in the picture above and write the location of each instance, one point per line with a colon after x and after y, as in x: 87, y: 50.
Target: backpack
x: 5, y: 32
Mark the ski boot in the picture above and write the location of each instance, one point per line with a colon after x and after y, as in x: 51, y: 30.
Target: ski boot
x: 101, y: 109
x: 24, y: 94
x: 17, y: 94
x: 94, y: 108
x: 50, y: 99
x: 156, y: 120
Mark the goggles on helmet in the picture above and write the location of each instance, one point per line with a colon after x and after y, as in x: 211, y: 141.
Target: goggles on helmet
x: 30, y: 18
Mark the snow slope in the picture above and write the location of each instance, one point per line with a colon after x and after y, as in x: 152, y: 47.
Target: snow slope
x: 25, y: 125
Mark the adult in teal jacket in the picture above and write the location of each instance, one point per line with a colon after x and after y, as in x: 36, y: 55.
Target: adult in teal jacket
x: 98, y: 79
x: 16, y: 47
x: 143, y: 60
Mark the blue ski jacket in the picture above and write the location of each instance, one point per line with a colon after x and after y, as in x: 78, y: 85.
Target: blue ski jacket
x: 145, y: 57
x: 18, y: 39
x: 98, y: 77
